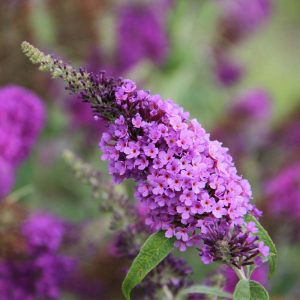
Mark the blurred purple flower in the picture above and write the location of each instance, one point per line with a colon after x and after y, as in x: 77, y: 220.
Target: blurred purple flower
x: 186, y: 154
x: 227, y: 71
x: 21, y: 120
x: 286, y: 135
x: 242, y: 17
x: 283, y: 193
x: 36, y: 274
x: 253, y: 104
x: 44, y: 231
x: 141, y: 34
x: 245, y: 126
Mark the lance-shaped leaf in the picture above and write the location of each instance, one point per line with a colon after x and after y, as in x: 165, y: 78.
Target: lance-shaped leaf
x: 250, y: 290
x: 264, y: 236
x: 155, y: 249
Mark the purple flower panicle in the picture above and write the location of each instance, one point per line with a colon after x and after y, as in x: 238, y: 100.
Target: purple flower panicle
x: 182, y: 176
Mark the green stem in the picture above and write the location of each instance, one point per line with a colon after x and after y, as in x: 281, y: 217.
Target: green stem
x: 240, y: 273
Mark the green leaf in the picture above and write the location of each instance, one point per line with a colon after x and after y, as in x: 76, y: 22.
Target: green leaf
x: 250, y: 290
x: 155, y: 249
x: 202, y: 289
x: 264, y: 236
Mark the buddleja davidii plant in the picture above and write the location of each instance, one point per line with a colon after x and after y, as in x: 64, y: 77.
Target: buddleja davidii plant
x: 188, y: 183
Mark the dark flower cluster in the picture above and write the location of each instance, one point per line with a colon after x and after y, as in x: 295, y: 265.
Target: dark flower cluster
x: 36, y: 273
x: 21, y: 119
x: 232, y: 245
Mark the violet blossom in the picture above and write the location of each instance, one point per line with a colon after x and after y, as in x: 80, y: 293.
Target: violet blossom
x: 185, y: 153
x: 37, y: 273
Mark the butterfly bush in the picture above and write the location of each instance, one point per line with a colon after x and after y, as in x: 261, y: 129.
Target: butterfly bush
x: 185, y: 179
x: 37, y: 273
